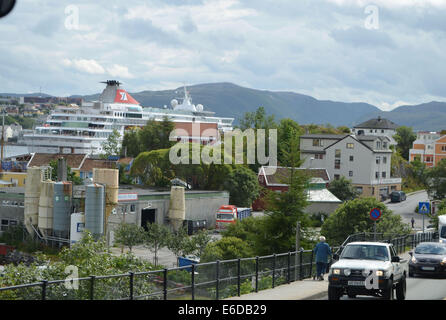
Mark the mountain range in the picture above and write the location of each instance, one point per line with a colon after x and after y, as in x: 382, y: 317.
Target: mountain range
x: 230, y: 100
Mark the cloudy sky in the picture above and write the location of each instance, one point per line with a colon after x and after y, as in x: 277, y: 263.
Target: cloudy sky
x: 386, y: 53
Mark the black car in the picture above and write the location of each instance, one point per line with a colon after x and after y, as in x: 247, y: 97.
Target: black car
x: 397, y: 196
x: 428, y: 258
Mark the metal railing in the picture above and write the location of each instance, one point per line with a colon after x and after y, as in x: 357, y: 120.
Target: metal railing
x: 202, y: 281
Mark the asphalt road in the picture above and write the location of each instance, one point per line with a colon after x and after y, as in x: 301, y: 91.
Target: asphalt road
x: 418, y: 288
x: 406, y: 209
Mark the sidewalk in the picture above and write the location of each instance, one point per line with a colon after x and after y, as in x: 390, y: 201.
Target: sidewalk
x: 307, y: 289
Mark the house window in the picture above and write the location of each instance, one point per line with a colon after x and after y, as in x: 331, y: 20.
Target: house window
x: 351, y: 158
x: 317, y: 143
x: 378, y: 160
x: 350, y: 173
x: 376, y: 174
x: 337, y: 164
x: 337, y: 153
x: 385, y: 145
x: 378, y: 144
x: 383, y: 174
x: 382, y: 131
x: 336, y: 176
x: 319, y: 156
x: 384, y: 159
x: 443, y: 148
x: 359, y: 190
x: 350, y: 145
x: 132, y: 208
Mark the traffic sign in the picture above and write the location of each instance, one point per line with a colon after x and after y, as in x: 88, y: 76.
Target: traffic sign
x: 424, y: 207
x: 375, y: 214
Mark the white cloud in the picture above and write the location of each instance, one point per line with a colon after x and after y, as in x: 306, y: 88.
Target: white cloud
x: 85, y: 65
x: 119, y: 71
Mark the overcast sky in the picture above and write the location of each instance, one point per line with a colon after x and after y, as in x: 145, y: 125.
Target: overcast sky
x: 386, y: 52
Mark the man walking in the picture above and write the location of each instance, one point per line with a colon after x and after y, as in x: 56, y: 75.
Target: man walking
x: 413, y: 222
x: 322, y: 252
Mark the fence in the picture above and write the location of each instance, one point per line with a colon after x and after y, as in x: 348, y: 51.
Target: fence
x: 204, y: 281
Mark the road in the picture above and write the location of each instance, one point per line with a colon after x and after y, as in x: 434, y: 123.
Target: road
x: 426, y: 288
x: 406, y: 209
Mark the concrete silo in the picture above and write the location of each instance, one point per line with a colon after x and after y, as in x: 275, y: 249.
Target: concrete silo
x: 32, y: 195
x: 177, y: 208
x: 110, y: 179
x: 46, y: 205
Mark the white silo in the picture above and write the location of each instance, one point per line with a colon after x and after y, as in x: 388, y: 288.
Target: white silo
x: 77, y: 227
x: 177, y: 209
x: 32, y: 195
x: 46, y: 204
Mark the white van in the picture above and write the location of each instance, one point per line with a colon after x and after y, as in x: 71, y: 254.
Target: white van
x: 442, y: 228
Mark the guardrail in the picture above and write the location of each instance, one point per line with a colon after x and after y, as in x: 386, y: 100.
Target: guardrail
x: 210, y: 281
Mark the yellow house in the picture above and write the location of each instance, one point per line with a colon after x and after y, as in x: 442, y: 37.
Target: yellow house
x: 12, y: 179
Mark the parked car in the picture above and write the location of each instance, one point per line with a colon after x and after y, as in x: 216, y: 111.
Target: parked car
x: 397, y: 196
x: 368, y: 268
x: 428, y: 258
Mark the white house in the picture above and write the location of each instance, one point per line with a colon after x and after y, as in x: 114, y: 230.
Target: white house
x: 363, y: 159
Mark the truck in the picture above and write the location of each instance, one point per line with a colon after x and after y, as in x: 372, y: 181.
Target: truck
x: 442, y: 228
x: 229, y: 214
x: 368, y: 268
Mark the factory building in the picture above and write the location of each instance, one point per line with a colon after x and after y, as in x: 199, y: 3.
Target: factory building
x: 60, y: 211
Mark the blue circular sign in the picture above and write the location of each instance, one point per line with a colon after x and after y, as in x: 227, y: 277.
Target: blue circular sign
x: 375, y: 214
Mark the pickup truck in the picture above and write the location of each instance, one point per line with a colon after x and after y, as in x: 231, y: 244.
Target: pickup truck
x: 368, y: 268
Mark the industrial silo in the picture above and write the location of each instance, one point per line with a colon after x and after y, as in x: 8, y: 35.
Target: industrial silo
x: 94, y: 209
x: 46, y: 205
x: 32, y: 195
x: 177, y: 208
x: 110, y: 179
x: 77, y: 227
x: 62, y: 208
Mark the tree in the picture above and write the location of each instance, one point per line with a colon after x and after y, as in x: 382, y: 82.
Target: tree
x: 226, y: 248
x: 243, y: 186
x: 111, y: 146
x: 200, y: 241
x: 179, y: 243
x: 156, y: 237
x: 155, y: 135
x: 153, y: 167
x: 71, y: 176
x: 354, y: 217
x: 436, y: 180
x: 404, y: 137
x: 288, y: 133
x: 343, y: 189
x: 129, y: 235
x: 283, y: 211
x: 131, y: 144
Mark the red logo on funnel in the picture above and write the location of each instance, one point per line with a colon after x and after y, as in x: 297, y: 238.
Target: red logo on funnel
x: 123, y: 96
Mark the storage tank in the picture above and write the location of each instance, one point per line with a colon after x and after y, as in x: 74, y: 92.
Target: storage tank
x: 94, y: 209
x: 46, y: 204
x: 62, y: 208
x: 177, y: 208
x: 32, y: 195
x: 77, y: 227
x: 110, y: 179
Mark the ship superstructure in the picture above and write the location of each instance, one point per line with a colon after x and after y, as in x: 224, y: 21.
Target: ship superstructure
x: 84, y: 129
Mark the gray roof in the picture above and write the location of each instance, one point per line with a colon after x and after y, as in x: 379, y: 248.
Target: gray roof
x: 323, y: 136
x: 378, y: 123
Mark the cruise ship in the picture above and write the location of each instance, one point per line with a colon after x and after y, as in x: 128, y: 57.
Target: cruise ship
x: 84, y: 129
